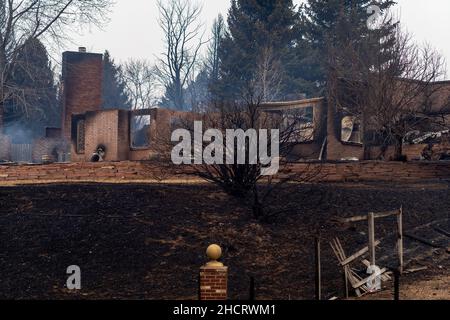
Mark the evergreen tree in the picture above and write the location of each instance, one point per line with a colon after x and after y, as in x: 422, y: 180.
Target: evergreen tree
x: 197, y: 94
x: 37, y: 107
x: 212, y: 63
x: 114, y: 87
x: 329, y: 27
x: 255, y: 26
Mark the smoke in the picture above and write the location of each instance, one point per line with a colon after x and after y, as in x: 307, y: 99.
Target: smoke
x: 19, y: 133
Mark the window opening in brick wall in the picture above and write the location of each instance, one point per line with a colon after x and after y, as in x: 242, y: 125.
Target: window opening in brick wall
x: 300, y: 123
x: 351, y: 130
x: 140, y: 131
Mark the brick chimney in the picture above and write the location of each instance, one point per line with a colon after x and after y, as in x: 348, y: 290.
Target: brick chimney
x: 82, y: 74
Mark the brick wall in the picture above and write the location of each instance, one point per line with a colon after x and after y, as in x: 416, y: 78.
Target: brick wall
x: 150, y: 171
x: 102, y: 128
x: 412, y: 152
x: 49, y: 147
x: 160, y: 133
x: 213, y: 283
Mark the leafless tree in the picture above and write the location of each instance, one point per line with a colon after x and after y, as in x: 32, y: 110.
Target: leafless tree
x: 399, y: 92
x: 141, y: 83
x: 388, y: 88
x: 205, y: 71
x: 22, y: 20
x: 246, y: 181
x: 269, y: 76
x: 180, y: 22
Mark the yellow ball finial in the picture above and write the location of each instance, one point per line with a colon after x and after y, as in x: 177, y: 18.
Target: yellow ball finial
x: 214, y: 252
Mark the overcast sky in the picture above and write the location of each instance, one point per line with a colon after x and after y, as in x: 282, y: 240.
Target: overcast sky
x: 133, y: 30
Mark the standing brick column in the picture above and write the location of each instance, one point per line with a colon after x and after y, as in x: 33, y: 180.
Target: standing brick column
x: 213, y: 276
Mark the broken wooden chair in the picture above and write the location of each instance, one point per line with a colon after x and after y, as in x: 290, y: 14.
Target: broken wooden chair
x: 351, y: 275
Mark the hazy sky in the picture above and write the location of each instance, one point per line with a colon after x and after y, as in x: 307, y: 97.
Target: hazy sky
x: 133, y: 30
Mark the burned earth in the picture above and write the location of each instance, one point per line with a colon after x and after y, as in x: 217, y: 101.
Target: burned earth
x: 148, y: 241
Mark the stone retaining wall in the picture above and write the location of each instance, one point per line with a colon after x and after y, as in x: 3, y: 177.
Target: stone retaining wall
x: 150, y: 171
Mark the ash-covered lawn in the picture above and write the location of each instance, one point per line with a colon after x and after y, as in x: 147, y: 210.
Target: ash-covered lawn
x: 148, y: 241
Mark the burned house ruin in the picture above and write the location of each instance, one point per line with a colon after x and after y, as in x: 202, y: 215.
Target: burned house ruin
x: 86, y: 129
x: 90, y: 133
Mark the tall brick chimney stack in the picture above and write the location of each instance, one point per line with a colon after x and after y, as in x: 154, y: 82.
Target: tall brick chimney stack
x: 82, y: 86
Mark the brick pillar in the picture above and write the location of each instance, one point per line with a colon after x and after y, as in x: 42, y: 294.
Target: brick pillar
x: 214, y: 277
x: 82, y: 75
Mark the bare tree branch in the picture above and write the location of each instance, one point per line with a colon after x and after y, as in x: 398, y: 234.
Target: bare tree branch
x: 183, y: 37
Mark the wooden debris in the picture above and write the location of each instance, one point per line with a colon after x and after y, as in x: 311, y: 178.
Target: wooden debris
x: 372, y: 277
x: 413, y: 270
x: 357, y: 282
x: 333, y: 299
x: 365, y: 217
x: 358, y: 254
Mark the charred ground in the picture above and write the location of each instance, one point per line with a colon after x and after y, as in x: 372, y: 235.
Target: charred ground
x: 148, y: 241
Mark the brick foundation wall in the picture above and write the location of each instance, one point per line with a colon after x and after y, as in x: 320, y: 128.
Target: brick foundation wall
x: 150, y: 171
x: 103, y: 128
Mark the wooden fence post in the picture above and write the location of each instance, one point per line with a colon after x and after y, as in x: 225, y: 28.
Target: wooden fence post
x: 318, y: 270
x: 400, y: 239
x: 371, y: 219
